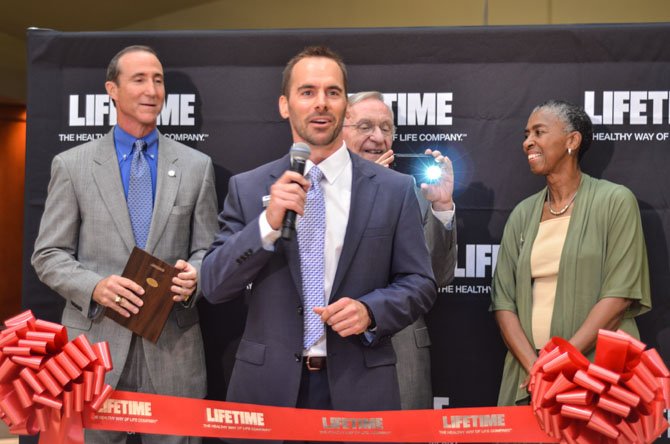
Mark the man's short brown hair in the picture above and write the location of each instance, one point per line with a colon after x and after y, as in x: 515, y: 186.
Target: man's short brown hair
x: 113, y: 67
x: 311, y: 51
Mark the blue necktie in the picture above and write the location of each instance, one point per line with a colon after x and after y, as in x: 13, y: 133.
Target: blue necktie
x: 140, y: 194
x: 311, y: 239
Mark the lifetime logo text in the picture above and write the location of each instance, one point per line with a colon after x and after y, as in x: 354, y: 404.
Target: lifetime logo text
x: 235, y: 417
x: 469, y: 421
x: 122, y: 407
x: 627, y: 107
x: 480, y: 261
x: 352, y: 423
x: 413, y: 109
x: 98, y: 110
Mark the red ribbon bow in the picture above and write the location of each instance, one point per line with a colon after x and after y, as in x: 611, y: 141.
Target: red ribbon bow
x: 617, y: 399
x: 46, y: 382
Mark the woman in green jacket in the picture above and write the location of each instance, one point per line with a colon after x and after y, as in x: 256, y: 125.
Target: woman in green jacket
x: 572, y: 259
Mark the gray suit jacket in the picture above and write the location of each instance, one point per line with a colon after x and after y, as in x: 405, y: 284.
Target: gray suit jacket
x: 412, y: 344
x: 85, y: 235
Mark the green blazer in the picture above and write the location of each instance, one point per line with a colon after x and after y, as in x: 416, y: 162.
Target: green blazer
x: 604, y: 255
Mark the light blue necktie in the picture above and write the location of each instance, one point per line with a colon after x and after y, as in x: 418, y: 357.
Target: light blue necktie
x: 140, y: 194
x: 311, y: 240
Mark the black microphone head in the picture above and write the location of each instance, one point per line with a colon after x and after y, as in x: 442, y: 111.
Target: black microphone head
x: 300, y: 151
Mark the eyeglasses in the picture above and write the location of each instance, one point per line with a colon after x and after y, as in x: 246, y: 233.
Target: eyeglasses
x: 367, y: 127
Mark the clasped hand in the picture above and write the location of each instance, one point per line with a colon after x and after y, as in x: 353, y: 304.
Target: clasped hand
x: 345, y: 316
x: 125, y: 296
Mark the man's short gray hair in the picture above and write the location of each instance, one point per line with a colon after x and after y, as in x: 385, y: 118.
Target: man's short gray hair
x: 365, y: 95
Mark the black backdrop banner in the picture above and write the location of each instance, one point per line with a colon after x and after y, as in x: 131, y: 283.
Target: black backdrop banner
x: 465, y: 91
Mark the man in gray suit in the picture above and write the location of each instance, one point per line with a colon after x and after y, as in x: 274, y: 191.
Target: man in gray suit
x: 368, y: 131
x: 90, y: 226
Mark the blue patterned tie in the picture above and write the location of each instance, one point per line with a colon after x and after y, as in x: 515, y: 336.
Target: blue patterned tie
x: 311, y: 239
x: 140, y: 194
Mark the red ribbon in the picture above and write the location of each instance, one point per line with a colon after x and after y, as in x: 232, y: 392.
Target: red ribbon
x: 55, y: 387
x: 169, y: 415
x: 617, y: 399
x: 46, y: 382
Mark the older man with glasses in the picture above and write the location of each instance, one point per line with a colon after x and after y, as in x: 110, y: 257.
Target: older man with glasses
x: 368, y: 131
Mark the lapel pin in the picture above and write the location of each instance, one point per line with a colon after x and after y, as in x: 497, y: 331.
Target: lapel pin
x: 171, y: 173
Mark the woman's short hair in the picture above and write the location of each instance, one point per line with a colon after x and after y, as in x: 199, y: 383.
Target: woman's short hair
x: 574, y: 118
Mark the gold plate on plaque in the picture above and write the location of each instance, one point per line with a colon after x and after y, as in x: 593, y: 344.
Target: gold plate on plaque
x: 155, y: 277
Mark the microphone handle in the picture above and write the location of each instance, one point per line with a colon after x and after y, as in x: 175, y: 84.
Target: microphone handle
x: 288, y: 225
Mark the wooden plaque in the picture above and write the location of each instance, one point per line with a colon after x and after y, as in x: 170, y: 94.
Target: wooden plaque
x: 155, y: 277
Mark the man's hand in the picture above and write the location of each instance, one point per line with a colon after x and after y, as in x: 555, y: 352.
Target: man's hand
x: 287, y: 193
x: 184, y: 284
x: 386, y: 159
x: 441, y: 193
x: 119, y: 294
x: 346, y: 316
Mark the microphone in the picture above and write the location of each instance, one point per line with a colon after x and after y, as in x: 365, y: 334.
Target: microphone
x: 299, y: 153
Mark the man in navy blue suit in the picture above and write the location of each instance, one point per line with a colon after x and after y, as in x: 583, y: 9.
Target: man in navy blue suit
x: 375, y: 274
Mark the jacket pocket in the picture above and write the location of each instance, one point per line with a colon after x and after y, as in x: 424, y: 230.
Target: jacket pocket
x: 252, y: 352
x: 380, y: 355
x: 422, y: 337
x: 182, y: 209
x: 74, y: 319
x: 377, y: 232
x: 187, y: 317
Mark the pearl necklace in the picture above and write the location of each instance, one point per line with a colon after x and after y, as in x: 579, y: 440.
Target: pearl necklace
x: 562, y: 210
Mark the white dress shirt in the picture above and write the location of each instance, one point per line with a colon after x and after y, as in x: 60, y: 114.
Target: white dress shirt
x: 336, y: 187
x: 446, y: 216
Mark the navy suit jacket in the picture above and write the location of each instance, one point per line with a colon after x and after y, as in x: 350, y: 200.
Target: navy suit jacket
x: 384, y: 263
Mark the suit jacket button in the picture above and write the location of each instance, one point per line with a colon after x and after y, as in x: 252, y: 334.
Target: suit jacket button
x: 298, y: 357
x: 301, y: 310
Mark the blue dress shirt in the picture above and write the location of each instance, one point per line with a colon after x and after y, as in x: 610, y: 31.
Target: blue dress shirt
x: 124, y: 147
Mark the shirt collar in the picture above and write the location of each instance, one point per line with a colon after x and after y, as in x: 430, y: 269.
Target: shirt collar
x: 333, y: 165
x: 124, y: 142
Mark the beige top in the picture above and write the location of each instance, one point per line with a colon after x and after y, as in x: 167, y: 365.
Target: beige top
x: 603, y: 256
x: 544, y: 261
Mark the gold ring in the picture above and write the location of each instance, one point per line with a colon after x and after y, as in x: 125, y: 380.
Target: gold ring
x: 118, y: 300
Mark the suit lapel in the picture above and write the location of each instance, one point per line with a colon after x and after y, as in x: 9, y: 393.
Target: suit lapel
x: 363, y: 192
x: 290, y: 248
x: 423, y: 203
x: 168, y: 178
x: 107, y: 178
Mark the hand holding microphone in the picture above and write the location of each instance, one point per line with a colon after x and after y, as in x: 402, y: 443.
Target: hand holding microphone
x: 288, y: 193
x: 299, y: 154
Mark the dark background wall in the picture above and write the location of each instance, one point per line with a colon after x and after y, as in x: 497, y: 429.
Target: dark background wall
x: 223, y: 90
